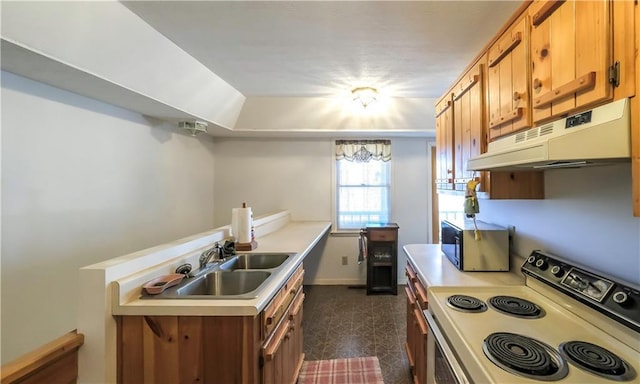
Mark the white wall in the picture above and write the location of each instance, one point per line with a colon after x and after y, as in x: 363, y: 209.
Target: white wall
x: 586, y: 217
x: 296, y: 175
x: 82, y: 182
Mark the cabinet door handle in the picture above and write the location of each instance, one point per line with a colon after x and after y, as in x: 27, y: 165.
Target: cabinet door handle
x: 422, y: 323
x: 412, y: 299
x: 545, y: 10
x: 510, y: 116
x: 565, y: 90
x: 296, y: 307
x: 421, y: 296
x: 502, y: 52
x: 537, y: 84
x: 274, y: 345
x: 271, y: 319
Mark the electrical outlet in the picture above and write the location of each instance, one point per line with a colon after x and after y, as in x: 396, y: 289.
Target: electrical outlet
x: 345, y: 260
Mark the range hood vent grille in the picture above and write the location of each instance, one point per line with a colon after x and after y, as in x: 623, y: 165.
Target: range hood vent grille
x: 533, y: 133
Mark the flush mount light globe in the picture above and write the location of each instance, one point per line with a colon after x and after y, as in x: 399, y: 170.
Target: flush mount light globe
x: 364, y: 95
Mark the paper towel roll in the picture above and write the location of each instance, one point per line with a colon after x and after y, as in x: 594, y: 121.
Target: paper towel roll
x: 241, y: 224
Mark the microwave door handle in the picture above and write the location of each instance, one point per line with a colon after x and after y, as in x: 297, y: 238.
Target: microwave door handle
x: 452, y: 361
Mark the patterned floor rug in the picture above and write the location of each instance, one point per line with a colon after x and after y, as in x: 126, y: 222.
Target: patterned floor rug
x: 357, y: 370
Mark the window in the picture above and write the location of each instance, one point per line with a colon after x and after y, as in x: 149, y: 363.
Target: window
x: 363, y: 183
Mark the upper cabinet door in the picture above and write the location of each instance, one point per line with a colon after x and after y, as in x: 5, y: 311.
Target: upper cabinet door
x: 468, y: 122
x: 508, y: 82
x: 444, y: 143
x: 570, y: 56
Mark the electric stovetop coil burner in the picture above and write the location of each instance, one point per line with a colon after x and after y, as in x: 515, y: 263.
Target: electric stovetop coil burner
x: 516, y: 306
x: 524, y: 356
x: 466, y: 303
x: 597, y: 360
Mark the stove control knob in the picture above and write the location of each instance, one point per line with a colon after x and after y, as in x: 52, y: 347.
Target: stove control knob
x: 540, y: 263
x: 557, y: 271
x: 620, y: 297
x: 531, y: 259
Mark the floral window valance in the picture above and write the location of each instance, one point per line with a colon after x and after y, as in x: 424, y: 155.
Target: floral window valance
x: 362, y: 151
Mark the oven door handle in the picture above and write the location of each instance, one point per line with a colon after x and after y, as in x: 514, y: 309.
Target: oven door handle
x: 456, y: 369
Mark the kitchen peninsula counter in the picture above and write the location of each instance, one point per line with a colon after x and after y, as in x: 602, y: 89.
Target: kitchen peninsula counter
x: 112, y: 288
x: 297, y: 238
x: 434, y: 269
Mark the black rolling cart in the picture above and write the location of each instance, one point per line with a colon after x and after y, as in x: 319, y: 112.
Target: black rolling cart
x: 382, y: 258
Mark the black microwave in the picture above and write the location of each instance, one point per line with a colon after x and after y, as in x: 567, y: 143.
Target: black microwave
x: 467, y: 252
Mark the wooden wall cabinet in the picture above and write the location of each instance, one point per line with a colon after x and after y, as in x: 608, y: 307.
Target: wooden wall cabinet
x: 417, y: 329
x: 468, y: 122
x: 444, y: 143
x: 508, y: 75
x: 570, y: 56
x: 577, y: 55
x: 466, y: 118
x: 216, y: 349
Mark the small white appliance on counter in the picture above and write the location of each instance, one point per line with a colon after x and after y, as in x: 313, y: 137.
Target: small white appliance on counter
x: 565, y: 325
x: 487, y: 252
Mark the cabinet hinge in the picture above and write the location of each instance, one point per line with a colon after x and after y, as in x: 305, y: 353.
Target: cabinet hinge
x: 614, y: 74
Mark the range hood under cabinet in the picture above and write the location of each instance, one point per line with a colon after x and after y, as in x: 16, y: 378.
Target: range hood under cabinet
x: 598, y: 136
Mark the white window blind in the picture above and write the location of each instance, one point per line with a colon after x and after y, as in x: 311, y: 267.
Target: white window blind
x: 363, y: 181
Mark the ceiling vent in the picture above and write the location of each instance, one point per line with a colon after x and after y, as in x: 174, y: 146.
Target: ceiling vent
x: 194, y: 127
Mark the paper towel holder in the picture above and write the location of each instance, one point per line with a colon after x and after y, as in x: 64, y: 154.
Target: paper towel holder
x: 250, y: 246
x: 247, y: 246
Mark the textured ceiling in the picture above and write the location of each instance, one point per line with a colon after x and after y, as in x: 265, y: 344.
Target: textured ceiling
x: 319, y: 49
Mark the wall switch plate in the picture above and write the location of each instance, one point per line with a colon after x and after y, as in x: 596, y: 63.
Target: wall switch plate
x: 345, y: 260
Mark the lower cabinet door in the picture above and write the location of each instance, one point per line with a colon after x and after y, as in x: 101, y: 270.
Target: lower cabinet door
x: 421, y: 348
x: 297, y: 351
x: 411, y: 324
x: 282, y: 354
x: 274, y: 355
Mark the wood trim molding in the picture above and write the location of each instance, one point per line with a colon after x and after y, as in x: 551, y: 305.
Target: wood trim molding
x: 512, y: 115
x: 56, y: 361
x: 443, y: 108
x: 545, y: 11
x: 464, y: 87
x: 577, y: 85
x: 515, y: 40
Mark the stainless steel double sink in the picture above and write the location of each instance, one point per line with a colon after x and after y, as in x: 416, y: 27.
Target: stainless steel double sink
x: 242, y: 276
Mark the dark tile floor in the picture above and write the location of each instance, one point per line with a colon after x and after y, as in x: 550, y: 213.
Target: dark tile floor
x: 344, y: 322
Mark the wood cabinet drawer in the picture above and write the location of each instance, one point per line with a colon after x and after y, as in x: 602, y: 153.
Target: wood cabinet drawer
x: 418, y: 290
x: 382, y: 235
x: 278, y: 306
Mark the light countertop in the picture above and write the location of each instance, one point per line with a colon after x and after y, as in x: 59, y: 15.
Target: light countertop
x: 434, y: 269
x: 294, y: 237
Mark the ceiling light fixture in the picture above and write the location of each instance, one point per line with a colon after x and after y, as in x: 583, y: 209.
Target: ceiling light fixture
x: 364, y: 95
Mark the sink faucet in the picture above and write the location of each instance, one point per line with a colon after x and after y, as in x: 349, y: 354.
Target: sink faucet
x: 209, y: 255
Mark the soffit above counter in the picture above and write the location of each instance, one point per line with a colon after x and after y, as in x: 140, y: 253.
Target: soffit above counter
x: 76, y: 46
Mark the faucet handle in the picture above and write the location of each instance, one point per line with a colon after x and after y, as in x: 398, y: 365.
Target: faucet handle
x: 184, y: 269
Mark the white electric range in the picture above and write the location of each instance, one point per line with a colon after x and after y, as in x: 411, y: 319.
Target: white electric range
x: 565, y: 325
